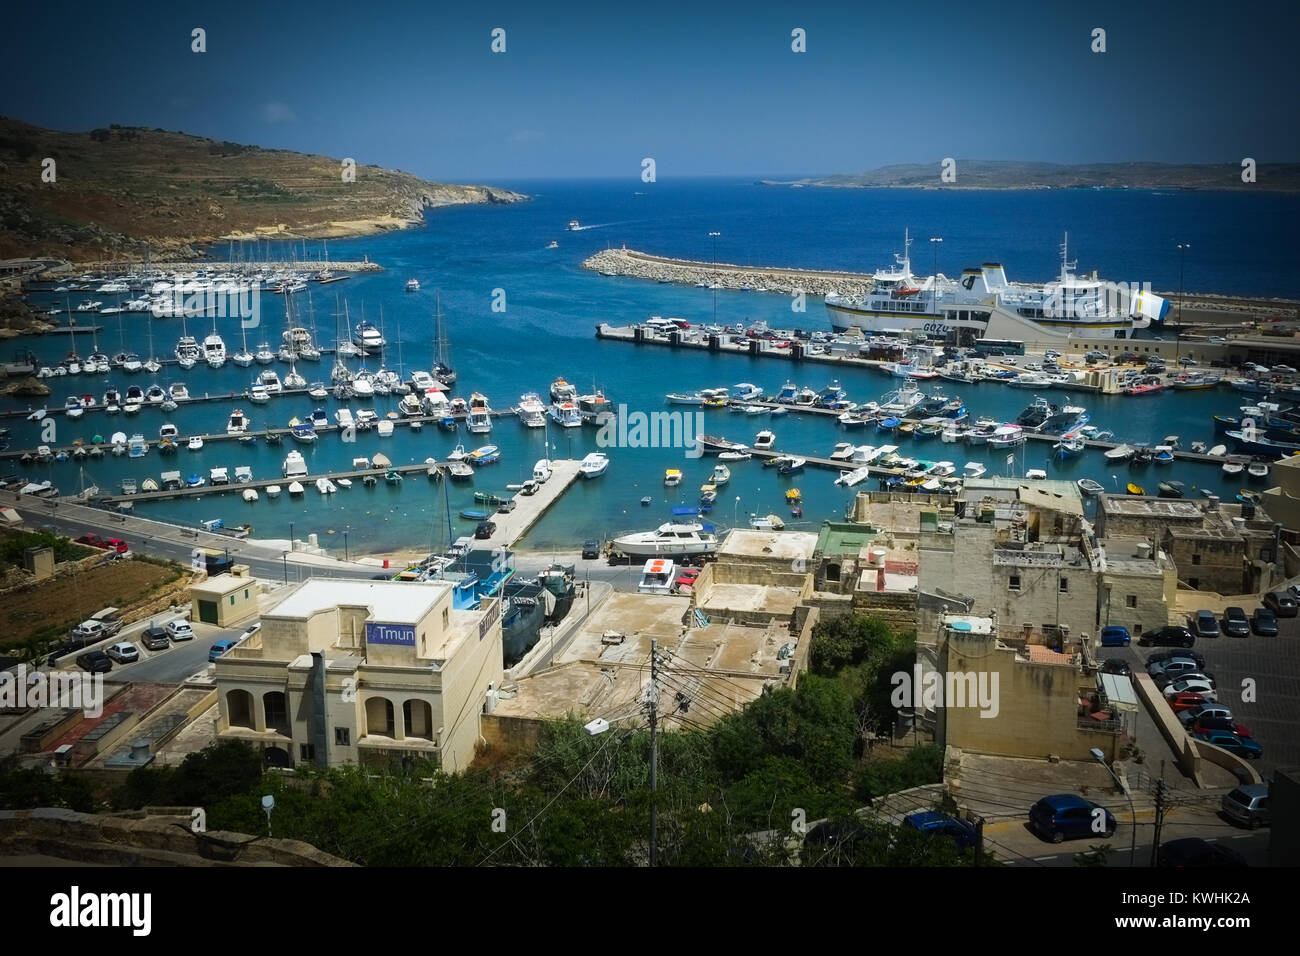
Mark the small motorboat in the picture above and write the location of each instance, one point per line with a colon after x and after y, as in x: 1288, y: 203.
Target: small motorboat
x: 1135, y: 489
x: 1218, y: 451
x: 1233, y: 466
x: 794, y: 495
x: 295, y: 489
x: 470, y: 514
x: 195, y: 443
x: 1257, y: 469
x: 250, y: 494
x: 1170, y: 489
x: 1119, y: 453
x: 974, y: 469
x: 1089, y: 487
x: 645, y: 502
x: 672, y: 477
x: 272, y: 491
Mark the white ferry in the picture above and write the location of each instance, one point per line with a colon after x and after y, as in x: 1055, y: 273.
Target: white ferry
x: 984, y: 303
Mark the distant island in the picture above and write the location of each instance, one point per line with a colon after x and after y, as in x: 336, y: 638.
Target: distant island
x: 1007, y: 174
x: 120, y: 191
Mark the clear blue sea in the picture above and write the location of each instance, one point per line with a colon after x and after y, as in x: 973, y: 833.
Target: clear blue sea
x: 1240, y: 243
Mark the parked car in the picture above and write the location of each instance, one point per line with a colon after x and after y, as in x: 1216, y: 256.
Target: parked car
x: 485, y: 529
x: 123, y: 653
x: 1159, y: 657
x: 1095, y: 354
x: 1281, y: 603
x: 1170, y: 636
x: 1068, y: 816
x: 155, y: 639
x: 252, y: 629
x: 591, y: 549
x: 1264, y: 622
x: 1205, y: 624
x: 1205, y: 724
x: 93, y: 540
x: 1247, y: 805
x: 1116, y: 665
x: 118, y: 545
x: 940, y: 824
x: 687, y: 578
x: 180, y: 630
x: 97, y: 662
x: 219, y: 648
x: 1235, y: 622
x: 1198, y: 853
x: 1167, y: 672
x: 1186, y: 700
x: 1115, y: 636
x: 1241, y: 746
x: 64, y: 649
x: 1189, y: 717
x: 1202, y: 687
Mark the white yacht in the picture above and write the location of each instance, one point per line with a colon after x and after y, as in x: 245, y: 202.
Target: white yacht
x: 764, y: 440
x: 410, y: 405
x: 238, y: 424
x: 259, y: 394
x: 178, y: 392
x: 264, y: 355
x: 214, y: 350
x: 531, y: 411
x: 295, y: 466
x: 593, y: 465
x: 412, y: 285
x: 562, y: 391
x: 363, y: 384
x: 271, y: 382
x: 671, y: 539
x: 367, y: 337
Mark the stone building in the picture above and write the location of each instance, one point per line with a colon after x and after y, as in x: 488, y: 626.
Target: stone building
x: 363, y: 672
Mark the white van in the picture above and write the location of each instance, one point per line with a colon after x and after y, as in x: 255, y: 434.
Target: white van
x: 541, y: 471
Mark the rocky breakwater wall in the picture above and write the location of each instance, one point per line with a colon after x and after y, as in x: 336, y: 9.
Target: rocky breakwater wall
x: 641, y: 265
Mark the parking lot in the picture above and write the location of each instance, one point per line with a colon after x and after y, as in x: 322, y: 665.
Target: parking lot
x: 1258, y: 678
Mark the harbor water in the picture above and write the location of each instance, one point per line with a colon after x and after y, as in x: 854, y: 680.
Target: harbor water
x: 520, y: 315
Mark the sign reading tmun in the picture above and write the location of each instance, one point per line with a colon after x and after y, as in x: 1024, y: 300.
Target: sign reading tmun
x: 399, y: 634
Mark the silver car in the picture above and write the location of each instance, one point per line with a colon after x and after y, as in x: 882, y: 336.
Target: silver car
x: 1247, y: 805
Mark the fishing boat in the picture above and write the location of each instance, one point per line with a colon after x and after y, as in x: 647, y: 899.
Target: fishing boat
x: 1089, y: 487
x: 1257, y: 470
x: 792, y: 466
x: 593, y: 465
x: 486, y: 455
x: 1162, y: 454
x: 721, y: 474
x: 1170, y: 489
x: 672, y: 477
x: 1233, y: 466
x: 301, y: 431
x: 1134, y: 489
x: 1194, y: 381
x: 473, y: 514
x: 531, y: 411
x: 1068, y: 448
x: 460, y: 471
x: 393, y: 476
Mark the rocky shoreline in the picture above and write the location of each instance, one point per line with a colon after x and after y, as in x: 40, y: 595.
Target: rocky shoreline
x: 640, y: 265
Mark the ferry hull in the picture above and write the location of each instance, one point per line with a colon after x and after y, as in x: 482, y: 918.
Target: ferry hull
x: 1001, y: 324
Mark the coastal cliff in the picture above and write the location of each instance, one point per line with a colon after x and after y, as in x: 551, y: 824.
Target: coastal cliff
x: 120, y: 192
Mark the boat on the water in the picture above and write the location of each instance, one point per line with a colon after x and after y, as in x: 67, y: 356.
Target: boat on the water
x: 1090, y: 488
x: 671, y: 539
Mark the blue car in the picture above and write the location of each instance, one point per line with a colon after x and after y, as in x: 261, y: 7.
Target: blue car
x: 1115, y: 636
x: 940, y: 824
x: 1067, y: 816
x: 219, y: 648
x: 1234, y: 744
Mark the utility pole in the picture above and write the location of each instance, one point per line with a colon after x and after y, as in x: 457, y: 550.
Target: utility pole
x: 1160, y: 819
x: 714, y: 283
x: 653, y: 702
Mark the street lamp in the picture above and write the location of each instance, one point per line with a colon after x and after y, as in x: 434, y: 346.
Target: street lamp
x: 714, y: 283
x: 1101, y: 759
x: 345, y: 546
x: 1178, y: 336
x: 284, y: 557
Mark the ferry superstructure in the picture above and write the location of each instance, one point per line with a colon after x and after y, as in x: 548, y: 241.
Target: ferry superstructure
x: 984, y: 303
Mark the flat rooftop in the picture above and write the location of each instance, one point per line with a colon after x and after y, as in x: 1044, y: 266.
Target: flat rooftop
x: 782, y: 545
x: 1168, y: 508
x: 777, y: 601
x: 638, y: 617
x: 396, y: 602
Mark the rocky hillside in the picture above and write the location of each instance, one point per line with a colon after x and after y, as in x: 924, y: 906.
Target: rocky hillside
x: 120, y: 189
x: 994, y: 174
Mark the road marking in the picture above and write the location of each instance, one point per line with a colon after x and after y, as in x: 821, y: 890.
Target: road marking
x: 1037, y: 858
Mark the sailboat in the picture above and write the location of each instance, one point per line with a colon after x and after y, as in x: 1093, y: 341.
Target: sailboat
x: 442, y: 369
x: 153, y: 365
x: 214, y: 347
x: 293, y: 379
x: 243, y: 358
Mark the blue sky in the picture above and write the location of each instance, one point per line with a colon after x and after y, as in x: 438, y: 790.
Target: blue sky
x: 589, y: 89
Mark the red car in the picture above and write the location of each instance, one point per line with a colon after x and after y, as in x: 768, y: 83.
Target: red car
x: 118, y: 545
x: 94, y: 540
x: 1207, y: 724
x: 681, y: 323
x: 781, y: 344
x: 687, y: 578
x: 1186, y: 701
